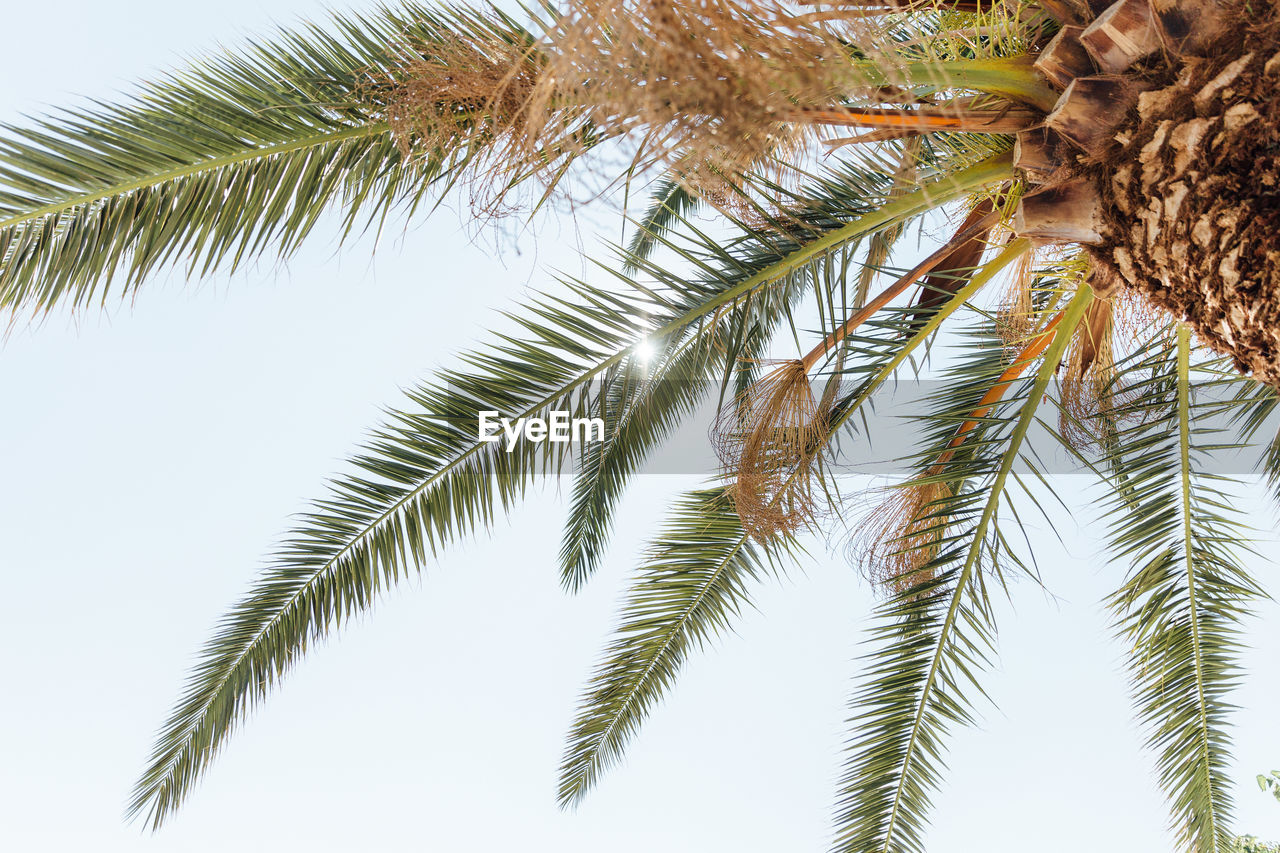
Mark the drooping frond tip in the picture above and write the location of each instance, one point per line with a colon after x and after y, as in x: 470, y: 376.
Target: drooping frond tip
x: 235, y: 158
x: 696, y: 579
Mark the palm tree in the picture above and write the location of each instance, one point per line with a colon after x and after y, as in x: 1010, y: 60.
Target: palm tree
x: 1115, y: 164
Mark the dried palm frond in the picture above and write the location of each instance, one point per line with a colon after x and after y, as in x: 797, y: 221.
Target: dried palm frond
x: 1014, y: 318
x: 458, y: 86
x: 469, y: 94
x: 1092, y: 396
x: 1087, y: 392
x: 900, y: 536
x: 768, y: 442
x: 712, y: 89
x: 953, y: 117
x: 895, y: 542
x: 714, y: 84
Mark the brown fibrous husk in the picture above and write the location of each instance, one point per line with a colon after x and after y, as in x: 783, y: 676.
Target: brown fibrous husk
x: 898, y: 539
x: 1093, y: 399
x: 1086, y: 386
x: 710, y: 87
x: 1014, y: 319
x: 712, y: 83
x: 769, y: 441
x: 469, y: 96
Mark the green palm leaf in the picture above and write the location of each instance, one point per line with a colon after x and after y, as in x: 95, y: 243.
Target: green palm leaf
x: 670, y: 203
x: 240, y: 158
x: 683, y: 590
x: 427, y: 477
x: 424, y: 479
x: 693, y: 582
x: 1258, y: 404
x: 235, y: 157
x: 643, y: 411
x: 647, y: 404
x: 1181, y: 605
x: 933, y: 638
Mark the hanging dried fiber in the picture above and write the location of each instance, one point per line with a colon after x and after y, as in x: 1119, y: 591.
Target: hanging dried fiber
x: 770, y: 438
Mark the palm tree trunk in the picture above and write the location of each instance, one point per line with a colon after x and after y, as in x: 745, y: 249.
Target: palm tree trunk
x: 1192, y: 203
x: 1167, y: 164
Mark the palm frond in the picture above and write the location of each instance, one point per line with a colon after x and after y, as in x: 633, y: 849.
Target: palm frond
x: 235, y: 157
x: 641, y: 411
x: 693, y: 582
x: 645, y: 405
x: 670, y: 203
x: 1258, y: 406
x: 424, y: 479
x: 646, y: 410
x: 932, y: 638
x: 428, y: 476
x: 879, y: 351
x: 637, y: 672
x: 1182, y: 602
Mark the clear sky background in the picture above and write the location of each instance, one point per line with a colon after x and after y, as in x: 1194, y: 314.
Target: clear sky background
x: 150, y: 455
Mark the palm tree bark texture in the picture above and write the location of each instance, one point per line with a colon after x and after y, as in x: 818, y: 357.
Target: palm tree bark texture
x: 1164, y: 151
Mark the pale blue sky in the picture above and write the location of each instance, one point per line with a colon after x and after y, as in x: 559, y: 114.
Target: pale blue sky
x: 152, y: 454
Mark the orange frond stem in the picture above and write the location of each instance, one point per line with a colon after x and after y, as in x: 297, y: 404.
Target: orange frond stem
x: 1037, y: 345
x: 889, y: 293
x: 870, y: 136
x: 880, y: 7
x: 927, y: 119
